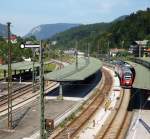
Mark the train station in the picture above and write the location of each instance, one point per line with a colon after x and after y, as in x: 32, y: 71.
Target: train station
x: 75, y: 69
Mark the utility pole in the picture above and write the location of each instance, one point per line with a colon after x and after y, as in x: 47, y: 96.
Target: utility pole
x: 42, y: 108
x: 76, y: 55
x: 9, y: 79
x: 139, y: 49
x: 60, y: 57
x: 98, y: 53
x: 122, y: 48
x: 108, y: 52
x: 88, y: 53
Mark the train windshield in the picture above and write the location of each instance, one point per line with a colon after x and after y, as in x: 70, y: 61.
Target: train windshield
x: 127, y: 76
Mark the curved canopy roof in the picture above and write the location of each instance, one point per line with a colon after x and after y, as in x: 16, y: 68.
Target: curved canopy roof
x: 22, y: 65
x: 71, y: 73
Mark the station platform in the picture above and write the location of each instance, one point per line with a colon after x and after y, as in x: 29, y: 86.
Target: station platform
x: 73, y: 73
x: 142, y: 77
x: 139, y: 128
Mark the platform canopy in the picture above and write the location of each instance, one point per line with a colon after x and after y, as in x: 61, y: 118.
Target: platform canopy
x: 24, y: 65
x: 142, y: 77
x: 145, y: 61
x: 71, y: 73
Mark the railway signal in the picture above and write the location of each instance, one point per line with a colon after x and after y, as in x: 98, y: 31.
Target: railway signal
x: 41, y: 71
x: 33, y: 47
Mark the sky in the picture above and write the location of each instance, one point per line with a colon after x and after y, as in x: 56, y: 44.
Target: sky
x: 26, y: 14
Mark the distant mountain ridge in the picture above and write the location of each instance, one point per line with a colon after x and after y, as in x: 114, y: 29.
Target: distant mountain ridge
x: 121, y: 18
x: 46, y: 31
x: 84, y: 32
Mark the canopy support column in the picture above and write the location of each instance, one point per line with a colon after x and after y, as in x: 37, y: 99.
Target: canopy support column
x: 15, y: 72
x: 60, y: 91
x: 20, y: 78
x: 5, y: 75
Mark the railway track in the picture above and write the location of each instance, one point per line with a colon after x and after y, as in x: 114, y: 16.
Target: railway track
x: 23, y: 96
x: 84, y: 116
x: 118, y: 122
x: 15, y: 90
x: 17, y: 93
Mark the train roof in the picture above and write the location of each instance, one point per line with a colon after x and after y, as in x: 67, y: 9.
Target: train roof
x: 119, y: 62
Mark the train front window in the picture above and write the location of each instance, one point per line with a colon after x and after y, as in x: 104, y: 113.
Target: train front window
x: 127, y: 76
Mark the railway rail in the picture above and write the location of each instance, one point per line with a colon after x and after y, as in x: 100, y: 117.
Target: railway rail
x: 84, y: 116
x: 17, y: 93
x: 22, y: 96
x: 118, y: 122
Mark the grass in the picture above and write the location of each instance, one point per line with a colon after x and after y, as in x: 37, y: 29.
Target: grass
x: 68, y: 58
x: 70, y: 118
x: 49, y: 67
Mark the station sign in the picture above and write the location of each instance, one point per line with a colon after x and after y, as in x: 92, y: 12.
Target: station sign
x: 30, y: 46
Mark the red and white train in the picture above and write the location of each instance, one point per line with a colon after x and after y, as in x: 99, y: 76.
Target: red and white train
x: 125, y: 74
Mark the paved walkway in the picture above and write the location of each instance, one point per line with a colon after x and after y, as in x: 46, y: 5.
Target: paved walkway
x: 30, y: 114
